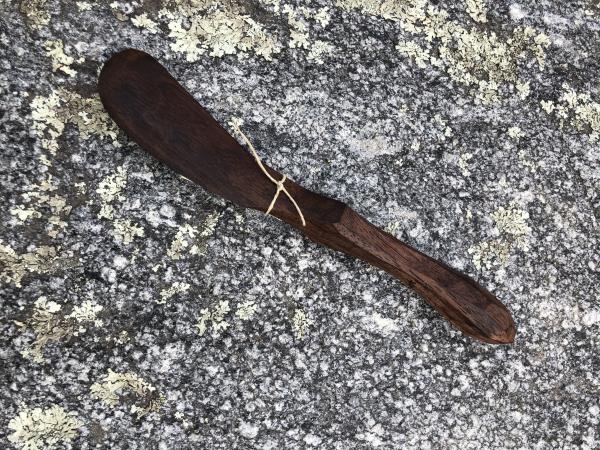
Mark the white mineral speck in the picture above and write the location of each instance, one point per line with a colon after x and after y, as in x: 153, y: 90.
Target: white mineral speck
x: 516, y: 11
x: 591, y: 318
x: 109, y: 274
x: 383, y: 325
x: 167, y: 211
x: 248, y: 430
x: 311, y: 439
x: 119, y: 262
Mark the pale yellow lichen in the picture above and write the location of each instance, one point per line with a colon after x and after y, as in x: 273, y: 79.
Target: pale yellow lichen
x: 176, y: 288
x: 217, y: 28
x: 120, y: 10
x: 393, y: 227
x: 578, y: 109
x: 84, y: 6
x: 48, y: 184
x: 239, y: 218
x: 52, y: 112
x: 413, y: 50
x: 15, y: 266
x: 90, y: 117
x: 511, y: 223
x: 222, y: 28
x: 39, y: 198
x: 60, y: 208
x: 110, y: 190
x: 512, y: 220
x: 144, y: 22
x: 477, y: 10
x: 372, y: 7
x: 472, y: 57
x: 87, y: 312
x: 490, y: 254
x: 300, y: 323
x: 297, y: 19
x: 60, y: 61
x: 125, y: 231
x: 47, y: 122
x: 51, y: 326
x: 515, y: 132
x: 322, y: 16
x: 203, y: 321
x: 209, y: 224
x: 298, y: 30
x: 185, y: 238
x: 215, y: 318
x: 48, y: 428
x: 548, y: 106
x: 246, y: 310
x: 113, y: 385
x: 80, y: 188
x: 35, y: 12
x: 318, y: 50
x: 45, y: 321
x: 488, y: 92
x: 43, y: 306
x: 542, y: 42
x: 24, y: 214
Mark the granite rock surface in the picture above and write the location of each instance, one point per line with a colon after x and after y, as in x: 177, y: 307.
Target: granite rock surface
x: 140, y: 312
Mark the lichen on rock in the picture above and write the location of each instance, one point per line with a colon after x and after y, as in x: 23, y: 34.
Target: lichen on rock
x: 511, y: 223
x: 60, y: 61
x: 15, y: 266
x: 470, y: 56
x: 43, y: 428
x: 114, y: 385
x: 301, y: 323
x: 215, y: 317
x: 52, y: 112
x: 35, y: 13
x: 50, y: 324
x: 216, y: 28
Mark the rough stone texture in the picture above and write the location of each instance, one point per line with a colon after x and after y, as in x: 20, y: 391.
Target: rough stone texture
x: 371, y: 365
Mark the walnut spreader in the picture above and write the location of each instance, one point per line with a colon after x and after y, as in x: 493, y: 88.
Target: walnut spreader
x: 166, y: 121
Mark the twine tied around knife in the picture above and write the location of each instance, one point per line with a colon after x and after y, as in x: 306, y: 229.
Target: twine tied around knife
x: 235, y: 124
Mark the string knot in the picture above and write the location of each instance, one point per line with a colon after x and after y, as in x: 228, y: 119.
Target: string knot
x: 235, y: 124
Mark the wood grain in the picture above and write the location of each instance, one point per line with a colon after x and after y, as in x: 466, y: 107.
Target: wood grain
x: 160, y: 115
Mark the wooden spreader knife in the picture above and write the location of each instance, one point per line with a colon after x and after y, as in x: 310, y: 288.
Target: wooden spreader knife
x: 165, y: 120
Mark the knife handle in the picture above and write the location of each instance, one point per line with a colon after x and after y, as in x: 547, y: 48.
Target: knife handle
x: 466, y: 304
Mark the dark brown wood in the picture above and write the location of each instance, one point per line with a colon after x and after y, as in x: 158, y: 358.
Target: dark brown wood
x: 161, y: 116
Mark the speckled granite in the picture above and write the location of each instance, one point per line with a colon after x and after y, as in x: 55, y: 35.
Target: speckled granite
x: 139, y: 312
